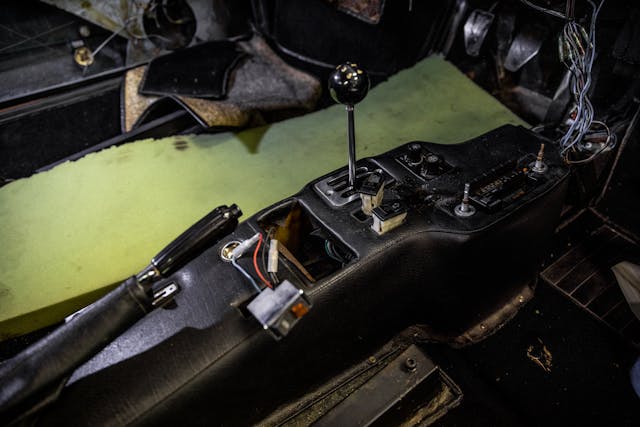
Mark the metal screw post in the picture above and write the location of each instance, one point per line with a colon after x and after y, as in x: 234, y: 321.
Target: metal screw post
x: 465, y: 209
x: 539, y: 166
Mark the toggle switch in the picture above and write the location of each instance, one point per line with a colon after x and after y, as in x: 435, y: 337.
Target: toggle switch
x: 465, y: 209
x: 539, y: 166
x: 371, y: 192
x: 388, y: 216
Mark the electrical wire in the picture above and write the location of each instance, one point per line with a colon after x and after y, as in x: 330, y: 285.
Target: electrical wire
x: 265, y: 249
x: 125, y: 27
x: 332, y: 253
x: 577, y: 51
x: 255, y: 263
x: 245, y: 274
x: 120, y: 29
x: 602, y: 148
x: 35, y: 38
x: 108, y: 39
x: 275, y: 280
x: 551, y: 12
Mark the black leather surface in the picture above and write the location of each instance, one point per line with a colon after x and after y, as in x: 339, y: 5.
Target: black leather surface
x: 402, y: 35
x: 41, y: 368
x: 203, y: 362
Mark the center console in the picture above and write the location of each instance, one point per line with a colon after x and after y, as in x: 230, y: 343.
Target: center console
x: 460, y: 275
x: 445, y: 237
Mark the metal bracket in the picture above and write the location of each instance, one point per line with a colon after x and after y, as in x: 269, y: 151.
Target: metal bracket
x: 165, y: 294
x: 404, y: 374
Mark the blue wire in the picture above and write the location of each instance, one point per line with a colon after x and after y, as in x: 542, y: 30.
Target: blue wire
x: 245, y: 274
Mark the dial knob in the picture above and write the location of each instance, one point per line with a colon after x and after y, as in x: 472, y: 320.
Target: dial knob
x: 348, y: 84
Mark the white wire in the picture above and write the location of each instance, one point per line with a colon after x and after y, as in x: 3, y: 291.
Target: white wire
x: 124, y: 26
x: 544, y: 9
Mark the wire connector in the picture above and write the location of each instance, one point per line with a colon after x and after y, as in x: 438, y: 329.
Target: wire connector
x: 244, y: 246
x: 278, y: 310
x: 272, y: 261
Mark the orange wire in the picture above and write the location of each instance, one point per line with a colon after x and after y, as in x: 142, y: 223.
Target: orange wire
x: 255, y: 263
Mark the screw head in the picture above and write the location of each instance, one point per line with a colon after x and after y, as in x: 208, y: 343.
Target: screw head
x: 83, y: 56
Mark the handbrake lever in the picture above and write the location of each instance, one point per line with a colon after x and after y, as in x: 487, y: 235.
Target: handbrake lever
x: 201, y: 235
x: 32, y: 378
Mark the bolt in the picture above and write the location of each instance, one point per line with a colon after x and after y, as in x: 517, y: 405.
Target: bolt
x: 410, y: 364
x: 83, y: 56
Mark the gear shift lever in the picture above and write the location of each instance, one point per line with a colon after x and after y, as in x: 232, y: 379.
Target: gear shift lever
x: 348, y: 85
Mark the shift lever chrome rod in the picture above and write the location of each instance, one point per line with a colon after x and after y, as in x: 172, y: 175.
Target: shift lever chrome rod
x: 352, y: 146
x: 348, y: 85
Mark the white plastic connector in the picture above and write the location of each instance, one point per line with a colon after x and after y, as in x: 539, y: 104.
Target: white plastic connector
x: 272, y: 262
x: 244, y: 246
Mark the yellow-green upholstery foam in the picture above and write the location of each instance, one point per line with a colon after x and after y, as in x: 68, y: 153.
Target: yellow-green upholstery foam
x: 69, y: 234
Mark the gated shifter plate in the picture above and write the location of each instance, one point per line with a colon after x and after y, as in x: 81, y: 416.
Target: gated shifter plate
x: 335, y: 188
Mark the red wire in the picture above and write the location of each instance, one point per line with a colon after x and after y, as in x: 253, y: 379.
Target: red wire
x: 255, y: 263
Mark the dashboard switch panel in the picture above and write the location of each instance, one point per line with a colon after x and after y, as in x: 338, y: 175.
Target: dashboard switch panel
x: 422, y: 162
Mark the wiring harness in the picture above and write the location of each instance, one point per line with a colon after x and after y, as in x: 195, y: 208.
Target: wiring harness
x: 244, y: 246
x: 577, y: 51
x: 576, y: 48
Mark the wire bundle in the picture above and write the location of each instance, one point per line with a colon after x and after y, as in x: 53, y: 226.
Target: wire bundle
x: 544, y: 10
x: 333, y: 253
x: 257, y: 239
x: 577, y: 52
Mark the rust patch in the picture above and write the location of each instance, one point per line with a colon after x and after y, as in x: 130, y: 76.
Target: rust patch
x: 540, y: 355
x: 369, y: 11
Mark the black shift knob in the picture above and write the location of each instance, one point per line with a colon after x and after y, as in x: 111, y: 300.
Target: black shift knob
x: 348, y: 84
